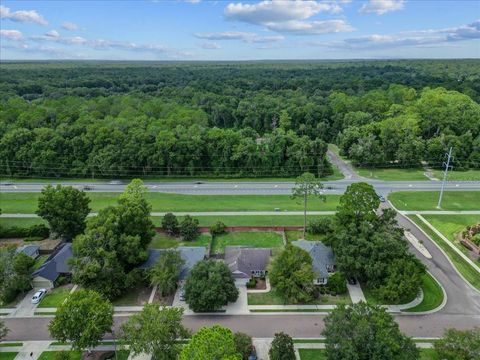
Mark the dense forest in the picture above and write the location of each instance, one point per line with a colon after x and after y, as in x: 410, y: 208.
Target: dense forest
x: 113, y: 119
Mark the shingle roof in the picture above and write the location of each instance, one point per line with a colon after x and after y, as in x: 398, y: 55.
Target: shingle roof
x: 321, y: 255
x: 56, y: 264
x: 191, y: 255
x: 242, y: 261
x: 29, y: 250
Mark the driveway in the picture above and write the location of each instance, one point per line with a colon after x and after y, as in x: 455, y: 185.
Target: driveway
x: 25, y: 307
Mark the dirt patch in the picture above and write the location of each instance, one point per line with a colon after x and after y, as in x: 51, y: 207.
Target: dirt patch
x: 260, y: 285
x: 163, y: 300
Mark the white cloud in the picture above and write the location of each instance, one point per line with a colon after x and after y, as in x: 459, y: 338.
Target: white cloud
x: 53, y: 34
x: 22, y: 16
x: 289, y: 16
x: 412, y: 38
x: 249, y: 37
x: 211, y: 46
x: 67, y: 25
x: 14, y: 35
x: 381, y: 7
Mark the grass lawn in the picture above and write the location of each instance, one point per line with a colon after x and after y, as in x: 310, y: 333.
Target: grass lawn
x: 8, y: 355
x: 162, y: 241
x: 54, y: 298
x: 467, y: 175
x: 260, y: 239
x: 11, y: 344
x: 462, y: 266
x: 51, y: 355
x: 274, y: 298
x: 451, y: 225
x: 296, y: 235
x: 312, y: 354
x: 392, y: 174
x: 427, y: 200
x: 432, y: 295
x: 134, y: 297
x: 27, y: 202
x: 20, y: 222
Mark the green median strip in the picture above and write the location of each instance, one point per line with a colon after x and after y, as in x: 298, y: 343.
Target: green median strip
x: 11, y: 344
x: 26, y: 203
x: 467, y: 271
x: 427, y: 200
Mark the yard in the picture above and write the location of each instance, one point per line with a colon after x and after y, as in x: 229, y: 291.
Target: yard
x: 257, y: 239
x: 165, y: 202
x: 293, y: 235
x: 427, y: 200
x: 461, y: 265
x: 274, y: 298
x: 134, y: 297
x: 163, y: 241
x: 55, y: 297
x: 7, y: 355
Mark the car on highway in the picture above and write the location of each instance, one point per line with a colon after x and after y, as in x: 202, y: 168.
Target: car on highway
x: 38, y: 296
x: 6, y: 183
x: 115, y: 182
x: 87, y: 187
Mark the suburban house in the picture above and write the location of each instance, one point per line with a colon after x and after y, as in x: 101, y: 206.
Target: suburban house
x: 245, y: 263
x: 55, y: 266
x: 190, y: 254
x: 323, y: 259
x: 29, y: 250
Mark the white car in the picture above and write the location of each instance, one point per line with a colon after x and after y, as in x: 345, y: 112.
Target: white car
x: 38, y: 296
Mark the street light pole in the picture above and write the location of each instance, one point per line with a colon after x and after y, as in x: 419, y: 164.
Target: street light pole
x: 447, y: 166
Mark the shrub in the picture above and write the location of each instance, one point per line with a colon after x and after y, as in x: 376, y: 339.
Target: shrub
x: 336, y: 284
x: 251, y: 283
x: 34, y: 238
x: 18, y: 232
x: 321, y: 226
x: 476, y: 239
x: 170, y: 224
x: 39, y: 230
x: 282, y: 347
x: 189, y: 228
x: 218, y: 228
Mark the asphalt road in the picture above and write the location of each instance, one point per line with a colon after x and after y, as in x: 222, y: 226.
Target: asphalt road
x: 256, y: 188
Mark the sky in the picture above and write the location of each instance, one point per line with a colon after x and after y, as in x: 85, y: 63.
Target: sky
x: 239, y: 30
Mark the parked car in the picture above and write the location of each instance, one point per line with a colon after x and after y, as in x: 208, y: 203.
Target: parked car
x: 352, y: 281
x: 253, y: 356
x: 381, y: 198
x: 38, y: 296
x: 182, y: 294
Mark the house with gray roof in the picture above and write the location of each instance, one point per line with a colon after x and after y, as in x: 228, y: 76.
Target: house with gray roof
x: 190, y: 254
x: 245, y: 262
x: 323, y: 259
x: 29, y: 250
x: 55, y: 266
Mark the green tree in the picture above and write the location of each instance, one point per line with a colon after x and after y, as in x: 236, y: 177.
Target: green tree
x: 210, y: 286
x: 459, y: 345
x: 166, y: 271
x: 365, y: 332
x: 170, y: 224
x: 291, y: 274
x: 214, y: 342
x: 189, y: 228
x: 65, y: 209
x: 360, y: 201
x: 243, y: 344
x: 155, y: 331
x: 3, y: 330
x: 23, y: 264
x: 285, y: 121
x: 307, y: 185
x: 282, y: 347
x: 83, y: 319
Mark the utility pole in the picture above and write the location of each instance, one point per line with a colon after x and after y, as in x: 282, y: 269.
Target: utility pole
x: 447, y: 167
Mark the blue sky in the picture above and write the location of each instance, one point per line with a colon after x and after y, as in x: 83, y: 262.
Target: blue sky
x: 239, y: 30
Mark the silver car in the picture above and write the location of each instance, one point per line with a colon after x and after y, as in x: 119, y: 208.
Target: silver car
x: 38, y: 296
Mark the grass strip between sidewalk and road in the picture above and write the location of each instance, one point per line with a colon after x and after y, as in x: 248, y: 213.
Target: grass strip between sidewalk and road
x: 26, y: 203
x: 432, y: 295
x: 320, y: 354
x: 427, y: 200
x: 467, y: 271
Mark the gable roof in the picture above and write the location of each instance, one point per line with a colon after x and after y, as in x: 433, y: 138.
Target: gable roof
x: 321, y: 255
x: 242, y: 260
x: 29, y: 250
x: 190, y: 254
x: 56, y: 264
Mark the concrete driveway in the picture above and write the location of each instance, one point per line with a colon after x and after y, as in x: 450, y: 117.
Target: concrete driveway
x: 25, y: 307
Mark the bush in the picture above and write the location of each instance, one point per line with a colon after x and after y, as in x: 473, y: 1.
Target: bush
x: 189, y: 228
x: 34, y: 238
x: 170, y: 224
x: 218, y: 228
x: 336, y: 284
x: 243, y: 344
x: 62, y: 355
x: 251, y: 283
x: 18, y: 232
x: 321, y: 226
x: 476, y: 239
